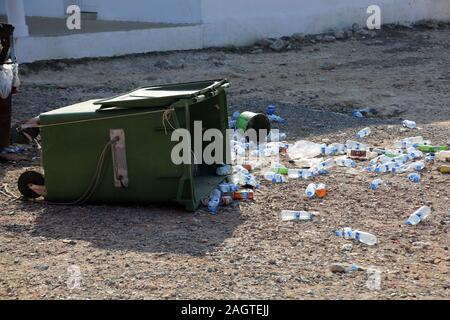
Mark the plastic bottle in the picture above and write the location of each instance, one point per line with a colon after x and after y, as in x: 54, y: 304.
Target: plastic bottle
x: 418, y: 215
x: 244, y: 194
x: 363, y: 133
x: 339, y: 147
x: 365, y: 237
x: 413, y: 153
x: 296, y: 173
x: 290, y: 215
x: 275, y: 118
x: 414, y: 177
x: 304, y: 149
x: 375, y: 184
x: 274, y: 177
x: 409, y: 124
x: 328, y: 150
x: 326, y: 165
x: 354, y: 145
x: 275, y: 136
x: 270, y: 109
x: 311, y: 190
x: 214, y: 201
x: 236, y: 114
x: 344, y: 162
x: 409, y: 142
x: 321, y: 190
x: 224, y: 170
x: 361, y: 236
x: 279, y: 168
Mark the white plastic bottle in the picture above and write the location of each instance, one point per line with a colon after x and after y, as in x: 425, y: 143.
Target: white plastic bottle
x: 291, y: 215
x: 363, y: 133
x: 345, y: 162
x: 409, y: 124
x: 418, y: 216
x: 375, y: 184
x: 274, y: 177
x: 365, y: 237
x: 311, y: 190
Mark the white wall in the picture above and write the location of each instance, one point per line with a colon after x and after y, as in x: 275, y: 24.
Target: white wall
x: 240, y: 22
x: 171, y: 11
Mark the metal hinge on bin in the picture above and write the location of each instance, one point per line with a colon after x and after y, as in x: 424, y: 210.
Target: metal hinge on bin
x: 119, y: 158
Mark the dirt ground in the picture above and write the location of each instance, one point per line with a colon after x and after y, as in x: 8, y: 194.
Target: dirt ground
x: 246, y: 251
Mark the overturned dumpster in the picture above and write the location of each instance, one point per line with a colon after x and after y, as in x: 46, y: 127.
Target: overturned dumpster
x: 118, y: 150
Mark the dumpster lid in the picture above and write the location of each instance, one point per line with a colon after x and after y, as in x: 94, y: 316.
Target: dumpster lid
x: 163, y: 95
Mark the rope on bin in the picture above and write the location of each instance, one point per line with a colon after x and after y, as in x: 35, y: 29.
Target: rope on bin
x: 167, y: 115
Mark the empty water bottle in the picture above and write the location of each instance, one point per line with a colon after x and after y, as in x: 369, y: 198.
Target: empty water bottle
x: 344, y: 162
x: 311, y: 190
x: 275, y: 118
x: 279, y: 168
x: 274, y: 177
x: 409, y: 124
x: 363, y: 133
x: 270, y: 109
x: 429, y: 158
x: 418, y: 215
x: 354, y: 145
x: 291, y: 215
x: 224, y: 170
x: 414, y: 177
x: 214, y: 201
x: 236, y: 114
x: 295, y: 173
x: 361, y: 236
x: 375, y: 184
x: 365, y: 237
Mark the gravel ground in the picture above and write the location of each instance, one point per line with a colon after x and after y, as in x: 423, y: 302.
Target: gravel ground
x: 245, y: 251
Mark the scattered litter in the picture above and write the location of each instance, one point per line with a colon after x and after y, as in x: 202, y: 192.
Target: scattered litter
x: 443, y: 156
x: 311, y: 190
x: 274, y: 177
x: 361, y: 113
x: 418, y: 216
x: 431, y: 149
x: 321, y: 190
x: 409, y: 124
x: 361, y: 236
x: 414, y: 177
x: 244, y: 194
x: 224, y: 170
x: 290, y: 215
x: 375, y: 184
x: 344, y: 268
x: 363, y: 133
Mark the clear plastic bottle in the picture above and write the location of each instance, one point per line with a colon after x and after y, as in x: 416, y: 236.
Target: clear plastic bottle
x: 311, y: 190
x: 414, y: 153
x: 296, y: 173
x: 354, y: 145
x: 418, y: 215
x: 224, y: 170
x: 414, y: 177
x: 409, y: 142
x: 345, y: 162
x: 409, y: 124
x: 363, y: 133
x: 304, y: 149
x: 279, y: 168
x: 340, y: 148
x: 274, y: 177
x: 365, y: 237
x: 361, y: 236
x: 327, y: 164
x: 291, y: 215
x: 214, y: 201
x: 375, y: 184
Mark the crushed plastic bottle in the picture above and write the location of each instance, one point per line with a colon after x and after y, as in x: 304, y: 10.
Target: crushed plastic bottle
x: 228, y: 187
x: 375, y: 184
x: 363, y: 133
x: 224, y: 170
x: 275, y: 136
x: 291, y: 215
x: 277, y: 119
x: 414, y: 153
x: 443, y: 156
x: 409, y: 142
x: 274, y: 177
x: 409, y: 124
x: 311, y: 190
x: 303, y: 149
x: 414, y: 177
x: 431, y: 149
x: 418, y: 216
x: 339, y: 147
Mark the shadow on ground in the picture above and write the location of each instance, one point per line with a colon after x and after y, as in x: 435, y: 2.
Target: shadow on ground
x: 154, y: 229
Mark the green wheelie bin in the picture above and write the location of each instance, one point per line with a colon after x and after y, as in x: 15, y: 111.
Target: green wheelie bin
x: 118, y: 150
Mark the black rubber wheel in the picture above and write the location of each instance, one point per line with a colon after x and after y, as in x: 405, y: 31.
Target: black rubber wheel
x: 27, y: 178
